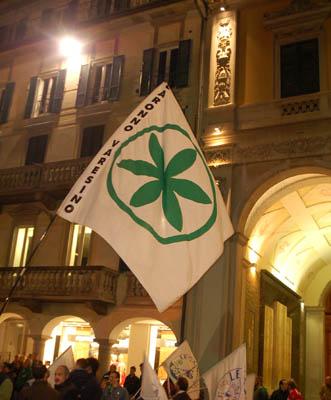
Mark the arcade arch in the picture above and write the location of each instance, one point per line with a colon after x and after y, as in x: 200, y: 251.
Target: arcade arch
x: 136, y: 337
x: 69, y: 330
x: 287, y: 223
x: 13, y: 335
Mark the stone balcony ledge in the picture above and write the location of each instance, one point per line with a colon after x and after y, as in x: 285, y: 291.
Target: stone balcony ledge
x: 61, y: 284
x: 33, y: 182
x: 98, y: 286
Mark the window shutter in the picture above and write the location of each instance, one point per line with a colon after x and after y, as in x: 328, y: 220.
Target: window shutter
x: 36, y: 150
x: 147, y: 72
x: 183, y: 63
x: 6, y: 102
x: 162, y: 67
x: 173, y: 67
x: 121, y: 5
x: 106, y: 89
x: 92, y: 140
x: 82, y: 86
x: 299, y: 68
x: 103, y: 7
x: 21, y: 29
x: 56, y: 100
x: 31, y: 97
x: 116, y: 75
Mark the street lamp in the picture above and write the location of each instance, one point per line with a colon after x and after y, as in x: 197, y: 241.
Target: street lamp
x: 70, y: 47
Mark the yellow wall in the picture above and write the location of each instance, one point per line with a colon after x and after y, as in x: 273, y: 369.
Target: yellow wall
x: 256, y: 55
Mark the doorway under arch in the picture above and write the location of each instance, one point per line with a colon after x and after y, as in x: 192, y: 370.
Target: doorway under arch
x: 13, y: 336
x: 288, y: 259
x: 66, y: 331
x: 136, y: 337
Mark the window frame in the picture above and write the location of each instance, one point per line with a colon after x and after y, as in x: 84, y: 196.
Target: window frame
x: 14, y: 244
x: 296, y: 38
x: 70, y: 257
x: 40, y: 92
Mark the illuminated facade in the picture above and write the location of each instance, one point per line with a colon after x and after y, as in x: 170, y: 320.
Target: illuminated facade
x: 253, y: 78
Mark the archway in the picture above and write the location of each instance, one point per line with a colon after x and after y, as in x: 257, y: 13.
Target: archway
x: 136, y: 337
x: 13, y: 336
x: 288, y: 260
x: 68, y: 330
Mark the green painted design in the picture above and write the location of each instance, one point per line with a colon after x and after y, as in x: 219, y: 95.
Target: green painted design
x: 165, y: 184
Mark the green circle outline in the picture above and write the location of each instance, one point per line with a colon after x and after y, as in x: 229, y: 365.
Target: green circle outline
x: 171, y: 239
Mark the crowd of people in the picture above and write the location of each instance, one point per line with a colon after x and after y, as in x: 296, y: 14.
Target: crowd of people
x: 28, y: 380
x: 288, y: 390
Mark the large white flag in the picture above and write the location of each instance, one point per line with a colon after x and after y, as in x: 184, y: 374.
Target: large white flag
x: 150, y: 194
x: 66, y: 358
x: 226, y: 380
x: 151, y: 388
x: 183, y: 363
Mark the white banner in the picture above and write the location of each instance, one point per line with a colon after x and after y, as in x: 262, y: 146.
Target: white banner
x: 66, y: 358
x: 183, y: 363
x: 227, y: 379
x: 151, y: 388
x: 150, y: 194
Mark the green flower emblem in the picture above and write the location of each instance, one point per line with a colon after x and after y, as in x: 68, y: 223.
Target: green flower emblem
x: 165, y: 183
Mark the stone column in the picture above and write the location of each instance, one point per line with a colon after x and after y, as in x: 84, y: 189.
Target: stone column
x: 105, y: 346
x: 315, y: 351
x: 39, y: 342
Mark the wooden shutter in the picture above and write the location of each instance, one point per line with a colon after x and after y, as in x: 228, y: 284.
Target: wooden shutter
x: 116, y: 75
x: 82, y: 86
x: 56, y: 100
x: 299, y: 64
x: 147, y: 72
x: 92, y: 140
x: 31, y: 97
x: 21, y: 29
x: 309, y: 66
x: 6, y: 101
x: 183, y: 63
x: 36, y: 150
x: 173, y: 67
x: 121, y: 5
x: 106, y: 88
x: 103, y: 7
x: 162, y: 67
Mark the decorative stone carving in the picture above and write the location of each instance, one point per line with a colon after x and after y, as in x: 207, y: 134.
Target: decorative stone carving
x: 221, y: 156
x: 222, y: 88
x: 295, y: 147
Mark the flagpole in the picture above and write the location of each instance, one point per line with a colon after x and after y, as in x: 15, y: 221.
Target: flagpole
x: 26, y: 266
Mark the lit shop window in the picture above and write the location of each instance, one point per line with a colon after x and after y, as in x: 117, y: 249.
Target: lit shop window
x: 79, y: 245
x: 22, y: 244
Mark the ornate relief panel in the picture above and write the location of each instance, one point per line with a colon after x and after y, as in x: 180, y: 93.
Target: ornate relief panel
x: 222, y: 59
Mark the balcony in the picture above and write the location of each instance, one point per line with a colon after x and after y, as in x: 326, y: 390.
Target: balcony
x: 94, y: 284
x: 73, y: 14
x: 136, y: 293
x: 45, y: 182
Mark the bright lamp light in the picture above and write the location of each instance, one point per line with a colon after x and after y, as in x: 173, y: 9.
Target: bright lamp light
x: 70, y: 47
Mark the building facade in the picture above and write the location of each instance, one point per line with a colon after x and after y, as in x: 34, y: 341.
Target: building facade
x: 253, y: 78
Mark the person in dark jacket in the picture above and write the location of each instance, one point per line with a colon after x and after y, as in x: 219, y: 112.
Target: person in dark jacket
x: 260, y: 392
x: 181, y: 387
x: 62, y: 385
x: 282, y: 392
x: 40, y: 389
x: 132, y: 382
x: 92, y: 390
